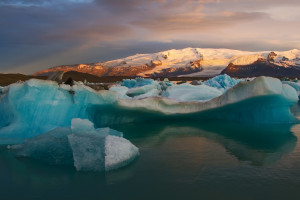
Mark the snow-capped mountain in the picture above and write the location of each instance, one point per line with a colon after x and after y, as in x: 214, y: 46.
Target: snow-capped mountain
x: 276, y: 64
x: 190, y: 62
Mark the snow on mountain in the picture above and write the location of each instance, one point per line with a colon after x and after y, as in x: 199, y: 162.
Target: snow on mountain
x: 275, y: 64
x: 182, y: 62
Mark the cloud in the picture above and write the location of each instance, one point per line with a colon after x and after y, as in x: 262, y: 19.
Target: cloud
x: 54, y: 27
x: 197, y: 22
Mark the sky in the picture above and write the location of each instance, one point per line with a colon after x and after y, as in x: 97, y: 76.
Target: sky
x: 38, y: 34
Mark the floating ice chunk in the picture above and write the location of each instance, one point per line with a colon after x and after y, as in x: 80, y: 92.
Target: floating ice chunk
x: 137, y: 92
x: 289, y: 92
x: 109, y: 131
x: 119, y: 152
x: 138, y: 82
x: 222, y: 82
x: 187, y: 92
x: 141, y: 90
x: 79, y: 125
x: 295, y: 85
x: 165, y: 84
x: 52, y: 148
x: 121, y: 90
x: 84, y: 147
x: 88, y: 151
x: 151, y: 93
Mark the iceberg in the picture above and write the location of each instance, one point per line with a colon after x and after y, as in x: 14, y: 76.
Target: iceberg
x: 81, y: 146
x: 151, y: 93
x: 188, y: 92
x: 88, y: 151
x: 142, y: 90
x: 262, y: 100
x: 119, y: 152
x: 120, y: 90
x: 222, y: 82
x: 136, y: 93
x: 138, y: 82
x: 82, y: 125
x: 52, y: 147
x: 36, y: 106
x: 295, y: 85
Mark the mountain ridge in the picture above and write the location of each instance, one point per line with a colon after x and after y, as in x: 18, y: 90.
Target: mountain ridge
x: 199, y: 62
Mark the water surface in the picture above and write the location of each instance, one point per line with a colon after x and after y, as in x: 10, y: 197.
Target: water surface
x: 178, y: 160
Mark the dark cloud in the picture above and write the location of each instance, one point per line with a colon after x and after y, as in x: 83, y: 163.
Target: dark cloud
x: 79, y: 28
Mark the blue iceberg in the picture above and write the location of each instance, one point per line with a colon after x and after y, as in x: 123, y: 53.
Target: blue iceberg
x: 140, y: 88
x: 35, y: 107
x: 222, y: 82
x: 138, y: 82
x: 295, y: 85
x: 262, y: 100
x: 81, y: 146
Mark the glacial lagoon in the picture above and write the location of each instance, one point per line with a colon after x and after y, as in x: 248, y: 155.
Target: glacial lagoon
x: 181, y: 157
x: 178, y: 161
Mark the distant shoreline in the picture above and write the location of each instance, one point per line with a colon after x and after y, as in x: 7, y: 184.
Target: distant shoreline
x: 7, y: 79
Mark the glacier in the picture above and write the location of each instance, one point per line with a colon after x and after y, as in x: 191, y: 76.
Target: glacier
x: 81, y: 146
x: 35, y: 107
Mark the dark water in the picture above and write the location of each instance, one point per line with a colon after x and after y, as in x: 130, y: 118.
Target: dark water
x: 178, y: 160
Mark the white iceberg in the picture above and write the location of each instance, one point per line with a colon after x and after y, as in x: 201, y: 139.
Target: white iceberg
x: 118, y: 152
x: 121, y: 91
x: 188, y: 92
x: 295, y: 85
x: 134, y: 92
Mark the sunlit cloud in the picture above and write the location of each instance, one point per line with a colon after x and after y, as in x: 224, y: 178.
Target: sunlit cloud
x: 89, y: 28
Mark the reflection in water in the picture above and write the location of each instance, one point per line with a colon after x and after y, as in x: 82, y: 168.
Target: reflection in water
x: 295, y: 110
x: 174, y: 155
x: 38, y: 174
x: 258, y: 144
